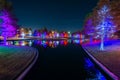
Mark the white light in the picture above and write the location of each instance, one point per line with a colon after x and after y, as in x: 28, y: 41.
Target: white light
x: 30, y: 33
x: 23, y: 43
x: 57, y: 35
x: 68, y: 32
x: 23, y: 34
x: 30, y: 43
x: 57, y: 42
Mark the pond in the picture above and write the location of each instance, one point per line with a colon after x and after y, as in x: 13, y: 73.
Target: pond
x: 60, y: 60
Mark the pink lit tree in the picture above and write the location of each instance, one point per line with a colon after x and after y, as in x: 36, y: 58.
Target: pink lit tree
x: 8, y: 26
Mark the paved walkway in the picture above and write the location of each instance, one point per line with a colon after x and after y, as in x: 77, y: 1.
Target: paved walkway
x: 13, y: 60
x: 109, y: 58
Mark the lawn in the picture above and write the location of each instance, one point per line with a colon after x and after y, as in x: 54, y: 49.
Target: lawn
x: 110, y: 57
x: 13, y: 60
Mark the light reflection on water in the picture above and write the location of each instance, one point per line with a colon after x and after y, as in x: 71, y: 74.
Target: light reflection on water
x: 92, y: 72
x: 44, y: 43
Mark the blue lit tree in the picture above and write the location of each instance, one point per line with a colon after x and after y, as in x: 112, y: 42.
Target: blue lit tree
x: 105, y: 27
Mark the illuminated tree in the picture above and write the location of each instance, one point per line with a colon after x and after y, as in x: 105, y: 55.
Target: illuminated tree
x: 115, y: 11
x: 105, y: 28
x: 102, y: 21
x: 88, y: 29
x: 36, y: 33
x: 8, y: 24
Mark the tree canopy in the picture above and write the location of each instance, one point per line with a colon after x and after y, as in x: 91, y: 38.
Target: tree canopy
x: 8, y: 22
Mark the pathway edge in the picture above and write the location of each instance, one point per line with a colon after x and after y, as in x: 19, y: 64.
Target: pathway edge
x: 22, y: 75
x: 112, y: 75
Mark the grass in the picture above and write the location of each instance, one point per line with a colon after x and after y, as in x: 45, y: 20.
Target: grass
x: 110, y: 57
x: 13, y: 60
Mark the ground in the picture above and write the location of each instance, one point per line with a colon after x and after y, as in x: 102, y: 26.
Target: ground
x: 13, y: 60
x: 110, y: 57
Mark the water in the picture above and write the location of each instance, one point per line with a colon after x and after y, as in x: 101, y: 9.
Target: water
x: 60, y: 60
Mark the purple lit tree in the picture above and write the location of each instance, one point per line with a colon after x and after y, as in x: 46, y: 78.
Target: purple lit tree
x: 36, y: 33
x: 88, y: 29
x: 105, y: 27
x: 8, y: 26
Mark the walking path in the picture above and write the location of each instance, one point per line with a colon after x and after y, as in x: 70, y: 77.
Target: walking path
x: 109, y: 58
x: 14, y: 60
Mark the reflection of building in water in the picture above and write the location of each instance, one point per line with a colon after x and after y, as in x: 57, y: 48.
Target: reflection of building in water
x: 16, y: 43
x: 65, y: 42
x: 30, y: 43
x: 44, y: 43
x: 9, y: 43
x: 77, y: 41
x: 51, y: 43
x: 20, y: 43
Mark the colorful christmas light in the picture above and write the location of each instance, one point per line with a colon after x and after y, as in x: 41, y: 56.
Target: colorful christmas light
x: 105, y: 26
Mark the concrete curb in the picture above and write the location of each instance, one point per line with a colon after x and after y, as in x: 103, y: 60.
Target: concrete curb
x: 22, y: 75
x: 112, y: 75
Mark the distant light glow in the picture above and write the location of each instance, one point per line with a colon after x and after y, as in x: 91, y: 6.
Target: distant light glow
x: 57, y: 42
x: 52, y: 32
x: 57, y: 35
x: 30, y: 33
x: 23, y: 43
x: 44, y: 44
x: 76, y: 36
x: 30, y: 43
x: 76, y: 41
x: 16, y: 43
x: 69, y: 32
x: 65, y: 42
x: 23, y: 35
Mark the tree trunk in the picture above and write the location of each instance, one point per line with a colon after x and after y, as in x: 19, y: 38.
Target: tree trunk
x: 5, y: 39
x: 102, y: 43
x: 91, y: 39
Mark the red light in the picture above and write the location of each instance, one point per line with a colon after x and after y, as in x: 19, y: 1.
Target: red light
x: 65, y: 42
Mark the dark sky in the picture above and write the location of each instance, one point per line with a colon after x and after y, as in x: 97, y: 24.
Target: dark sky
x: 54, y: 14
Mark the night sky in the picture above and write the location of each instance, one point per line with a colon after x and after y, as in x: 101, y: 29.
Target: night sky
x: 53, y: 14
